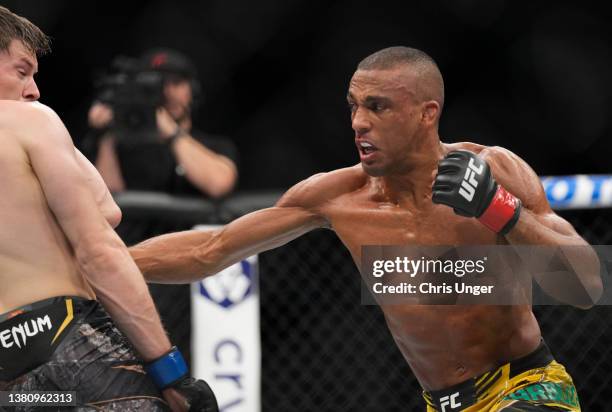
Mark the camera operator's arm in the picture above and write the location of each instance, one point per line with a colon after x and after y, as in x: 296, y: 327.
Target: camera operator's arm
x: 99, y: 117
x: 210, y: 172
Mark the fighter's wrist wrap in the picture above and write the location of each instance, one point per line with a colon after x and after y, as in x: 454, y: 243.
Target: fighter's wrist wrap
x: 167, y: 369
x: 502, y: 213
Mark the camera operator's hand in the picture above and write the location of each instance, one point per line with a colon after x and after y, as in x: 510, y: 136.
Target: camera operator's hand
x: 166, y: 125
x: 100, y: 115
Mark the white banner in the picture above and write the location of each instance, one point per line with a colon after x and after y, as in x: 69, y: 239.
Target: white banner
x: 226, y: 337
x: 578, y: 191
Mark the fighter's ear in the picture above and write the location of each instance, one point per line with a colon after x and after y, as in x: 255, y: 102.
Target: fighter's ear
x: 431, y: 112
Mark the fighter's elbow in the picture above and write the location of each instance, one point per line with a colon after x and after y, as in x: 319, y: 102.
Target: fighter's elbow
x: 593, y: 283
x: 595, y: 292
x: 182, y: 257
x: 588, y: 294
x: 113, y: 216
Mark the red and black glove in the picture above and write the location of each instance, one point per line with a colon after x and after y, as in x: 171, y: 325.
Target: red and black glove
x: 464, y: 182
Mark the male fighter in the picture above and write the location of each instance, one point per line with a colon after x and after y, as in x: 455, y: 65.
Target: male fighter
x: 470, y: 358
x: 62, y: 267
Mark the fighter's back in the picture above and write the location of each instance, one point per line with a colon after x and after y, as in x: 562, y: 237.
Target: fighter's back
x: 36, y: 260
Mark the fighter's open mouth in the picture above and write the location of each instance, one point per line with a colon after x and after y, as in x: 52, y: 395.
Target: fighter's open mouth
x: 366, y: 147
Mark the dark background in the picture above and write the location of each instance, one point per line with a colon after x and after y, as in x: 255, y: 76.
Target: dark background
x: 531, y: 76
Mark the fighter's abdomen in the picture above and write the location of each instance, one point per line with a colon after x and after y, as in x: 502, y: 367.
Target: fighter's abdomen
x: 446, y: 345
x: 36, y: 260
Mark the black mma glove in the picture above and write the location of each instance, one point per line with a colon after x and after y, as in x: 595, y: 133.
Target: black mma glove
x: 464, y: 182
x: 198, y: 394
x: 170, y: 371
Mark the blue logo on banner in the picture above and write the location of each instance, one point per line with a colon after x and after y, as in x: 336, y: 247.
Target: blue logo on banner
x: 230, y: 286
x: 578, y: 191
x: 560, y: 190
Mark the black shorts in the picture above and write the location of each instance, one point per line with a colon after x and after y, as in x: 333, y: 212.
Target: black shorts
x: 71, y: 344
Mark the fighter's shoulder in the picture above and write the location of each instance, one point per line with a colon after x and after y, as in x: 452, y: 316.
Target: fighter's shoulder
x: 499, y: 158
x: 513, y: 173
x: 324, y: 187
x: 27, y: 119
x: 17, y: 111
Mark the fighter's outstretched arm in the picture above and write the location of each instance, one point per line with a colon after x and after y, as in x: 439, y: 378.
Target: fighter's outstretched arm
x: 188, y: 256
x: 538, y: 224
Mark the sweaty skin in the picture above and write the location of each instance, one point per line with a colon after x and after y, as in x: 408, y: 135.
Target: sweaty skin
x: 387, y: 200
x: 465, y: 340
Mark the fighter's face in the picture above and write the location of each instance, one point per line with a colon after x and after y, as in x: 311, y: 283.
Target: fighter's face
x: 17, y: 69
x: 385, y: 118
x: 178, y: 98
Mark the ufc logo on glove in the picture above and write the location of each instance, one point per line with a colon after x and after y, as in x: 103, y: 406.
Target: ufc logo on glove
x: 465, y: 183
x: 469, y: 184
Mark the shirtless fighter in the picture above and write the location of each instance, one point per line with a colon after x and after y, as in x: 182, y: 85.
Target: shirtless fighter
x: 62, y: 267
x: 475, y: 358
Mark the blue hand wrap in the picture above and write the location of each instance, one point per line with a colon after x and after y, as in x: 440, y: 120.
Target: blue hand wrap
x: 168, y: 369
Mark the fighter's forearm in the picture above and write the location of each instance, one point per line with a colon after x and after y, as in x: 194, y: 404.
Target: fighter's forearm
x: 182, y: 257
x: 533, y: 229
x: 579, y: 283
x: 122, y: 291
x: 188, y: 256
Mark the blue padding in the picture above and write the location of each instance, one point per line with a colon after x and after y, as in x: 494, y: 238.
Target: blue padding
x: 167, y: 369
x: 578, y: 191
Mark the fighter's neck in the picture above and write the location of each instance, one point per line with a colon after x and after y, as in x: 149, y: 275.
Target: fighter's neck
x: 414, y: 180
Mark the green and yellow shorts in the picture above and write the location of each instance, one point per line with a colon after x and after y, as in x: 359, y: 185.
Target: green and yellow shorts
x: 535, y: 382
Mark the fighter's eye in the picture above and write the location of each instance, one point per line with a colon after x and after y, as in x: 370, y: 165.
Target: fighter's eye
x: 376, y: 107
x: 351, y: 106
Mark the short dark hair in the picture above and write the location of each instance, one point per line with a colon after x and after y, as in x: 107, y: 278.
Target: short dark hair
x: 14, y: 27
x: 392, y: 57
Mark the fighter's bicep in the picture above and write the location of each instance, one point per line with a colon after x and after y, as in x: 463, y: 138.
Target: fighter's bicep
x: 516, y: 176
x: 267, y: 228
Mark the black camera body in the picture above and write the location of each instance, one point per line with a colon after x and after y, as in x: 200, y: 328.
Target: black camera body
x: 134, y: 92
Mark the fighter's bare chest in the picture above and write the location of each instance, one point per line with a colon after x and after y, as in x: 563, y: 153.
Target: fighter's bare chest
x: 377, y: 223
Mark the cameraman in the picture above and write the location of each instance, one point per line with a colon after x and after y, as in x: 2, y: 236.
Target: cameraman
x: 179, y: 160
